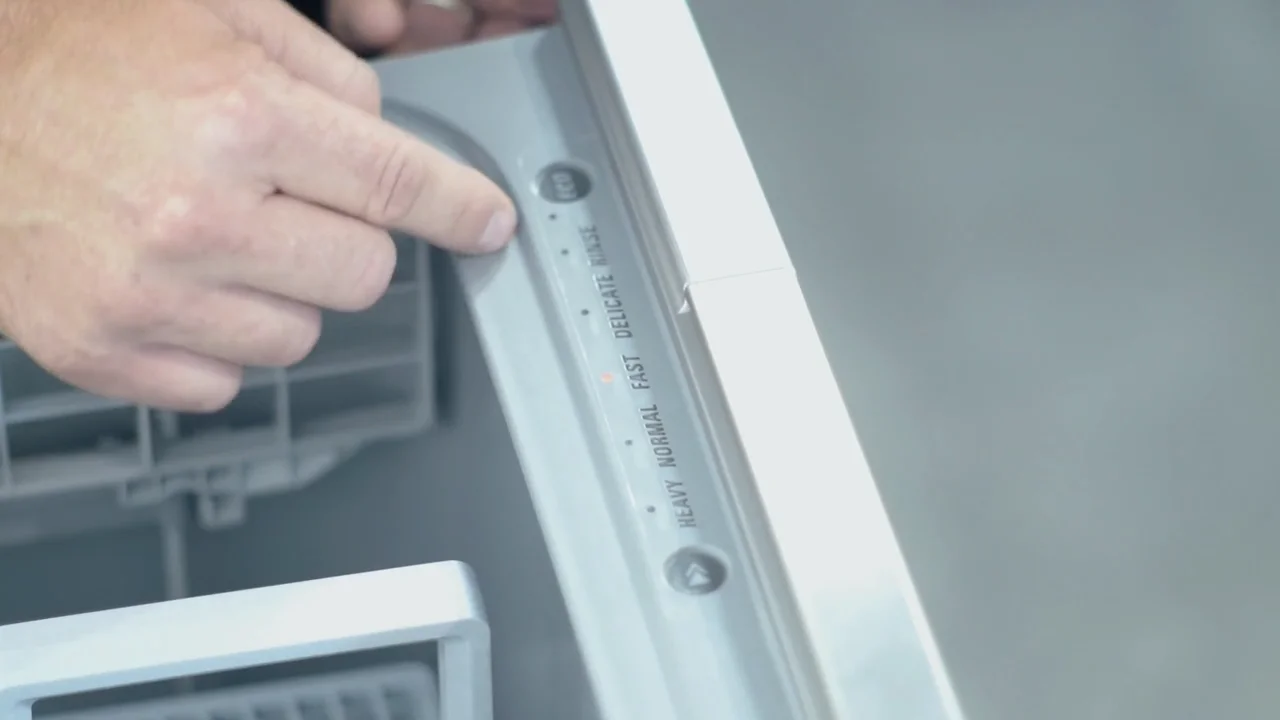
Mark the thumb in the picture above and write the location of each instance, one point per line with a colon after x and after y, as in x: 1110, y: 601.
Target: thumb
x: 304, y: 50
x: 431, y: 25
x: 367, y: 24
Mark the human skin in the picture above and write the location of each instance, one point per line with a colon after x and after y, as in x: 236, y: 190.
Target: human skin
x: 185, y: 184
x: 402, y: 26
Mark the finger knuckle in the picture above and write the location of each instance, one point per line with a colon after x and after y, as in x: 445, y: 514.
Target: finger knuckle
x: 362, y: 87
x: 177, y: 223
x: 400, y: 177
x: 237, y: 120
x: 123, y: 302
x: 376, y: 266
x: 235, y: 125
x: 81, y: 363
x: 91, y: 363
x: 214, y: 391
x: 293, y: 344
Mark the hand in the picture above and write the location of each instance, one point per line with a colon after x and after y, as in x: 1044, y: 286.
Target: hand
x: 183, y: 183
x: 404, y: 26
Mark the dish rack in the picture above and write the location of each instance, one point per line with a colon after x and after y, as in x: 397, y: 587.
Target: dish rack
x: 393, y: 692
x: 72, y: 462
x: 437, y: 603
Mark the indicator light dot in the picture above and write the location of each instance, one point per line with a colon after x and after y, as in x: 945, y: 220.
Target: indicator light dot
x: 606, y: 377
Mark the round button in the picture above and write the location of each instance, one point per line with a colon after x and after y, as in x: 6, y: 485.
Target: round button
x: 563, y: 183
x: 695, y: 571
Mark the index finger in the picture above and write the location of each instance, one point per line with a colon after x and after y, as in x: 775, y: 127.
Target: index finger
x: 332, y: 154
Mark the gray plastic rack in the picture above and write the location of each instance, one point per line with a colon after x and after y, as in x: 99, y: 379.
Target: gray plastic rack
x: 370, y: 377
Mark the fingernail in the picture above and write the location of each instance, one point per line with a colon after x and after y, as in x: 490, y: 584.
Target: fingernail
x: 498, y: 232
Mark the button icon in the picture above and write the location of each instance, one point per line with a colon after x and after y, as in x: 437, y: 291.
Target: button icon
x: 563, y: 183
x: 695, y: 571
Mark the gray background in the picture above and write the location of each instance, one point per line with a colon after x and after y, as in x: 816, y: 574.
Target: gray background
x: 1041, y: 241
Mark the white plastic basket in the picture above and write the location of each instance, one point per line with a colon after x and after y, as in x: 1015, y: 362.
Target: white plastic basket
x: 129, y: 646
x: 395, y: 692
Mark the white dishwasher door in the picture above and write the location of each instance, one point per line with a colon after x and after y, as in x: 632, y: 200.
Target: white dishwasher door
x: 721, y: 545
